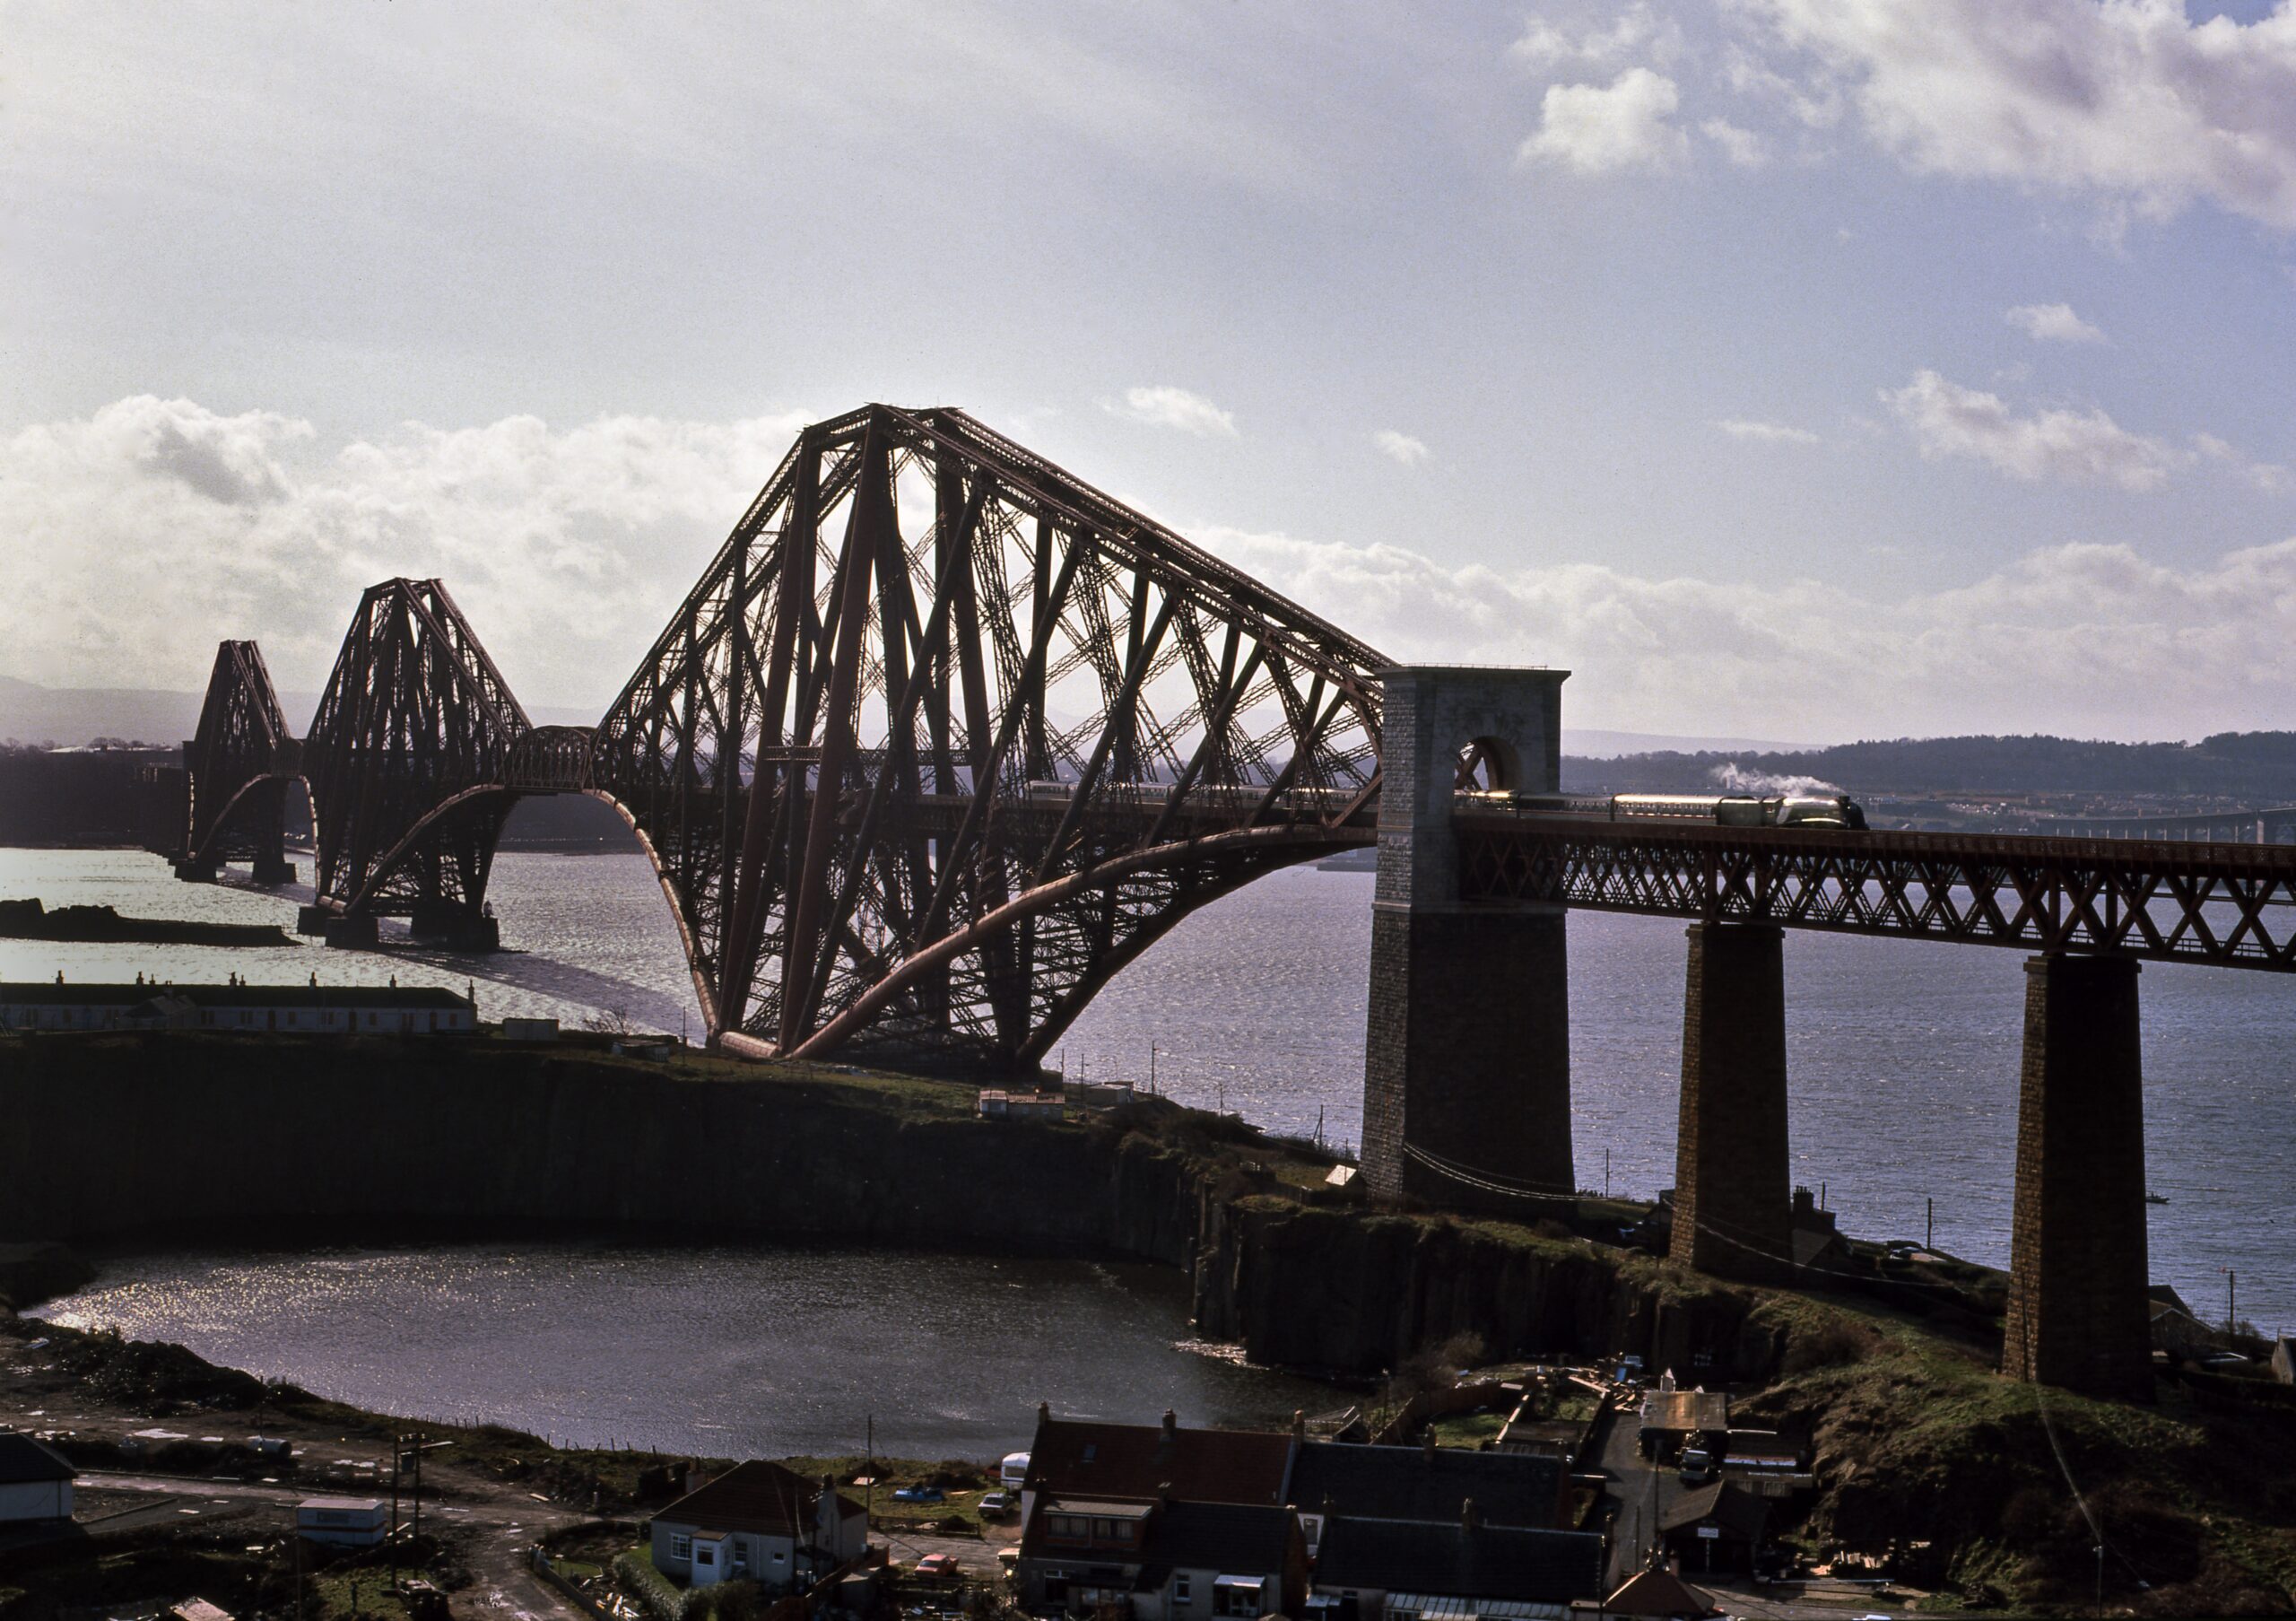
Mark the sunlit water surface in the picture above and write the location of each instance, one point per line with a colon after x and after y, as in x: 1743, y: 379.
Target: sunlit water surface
x: 721, y: 1351
x: 1904, y: 1055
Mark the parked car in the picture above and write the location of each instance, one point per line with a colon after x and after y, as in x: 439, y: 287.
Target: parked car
x: 995, y: 1504
x: 937, y: 1565
x: 916, y: 1494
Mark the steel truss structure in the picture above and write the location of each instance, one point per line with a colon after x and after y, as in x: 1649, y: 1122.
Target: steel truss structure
x: 410, y: 761
x: 944, y: 737
x: 2230, y: 906
x: 240, y: 763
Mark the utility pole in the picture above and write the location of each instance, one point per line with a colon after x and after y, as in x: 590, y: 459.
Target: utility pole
x: 1151, y: 1068
x: 2232, y: 1317
x: 1930, y: 1242
x: 399, y: 1452
x: 1607, y: 1174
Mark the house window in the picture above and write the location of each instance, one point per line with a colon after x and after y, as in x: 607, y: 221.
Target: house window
x: 680, y: 1545
x: 1180, y: 1588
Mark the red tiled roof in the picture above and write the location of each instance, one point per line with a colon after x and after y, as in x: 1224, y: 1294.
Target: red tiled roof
x: 758, y: 1497
x: 1077, y: 1458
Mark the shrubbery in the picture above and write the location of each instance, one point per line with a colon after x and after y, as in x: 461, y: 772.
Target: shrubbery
x: 654, y: 1591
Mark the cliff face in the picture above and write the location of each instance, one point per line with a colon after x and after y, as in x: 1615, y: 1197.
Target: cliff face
x: 162, y: 1138
x: 1356, y: 1292
x: 134, y: 1137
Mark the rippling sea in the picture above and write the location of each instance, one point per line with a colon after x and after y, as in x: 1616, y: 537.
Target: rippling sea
x: 1903, y: 1054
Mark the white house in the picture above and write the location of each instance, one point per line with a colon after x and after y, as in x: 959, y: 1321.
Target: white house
x: 35, y: 1482
x: 759, y: 1522
x: 313, y: 1008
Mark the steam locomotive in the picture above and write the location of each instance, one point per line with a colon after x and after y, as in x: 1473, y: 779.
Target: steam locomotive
x: 1722, y: 810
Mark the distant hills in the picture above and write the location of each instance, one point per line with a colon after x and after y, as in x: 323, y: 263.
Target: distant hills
x: 2254, y: 768
x: 69, y: 717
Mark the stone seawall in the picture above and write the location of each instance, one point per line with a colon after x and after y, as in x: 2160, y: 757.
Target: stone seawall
x: 164, y: 1139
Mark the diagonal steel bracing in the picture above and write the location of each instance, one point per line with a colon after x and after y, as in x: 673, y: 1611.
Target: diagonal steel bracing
x: 240, y: 763
x: 944, y: 736
x: 411, y: 758
x: 2230, y: 906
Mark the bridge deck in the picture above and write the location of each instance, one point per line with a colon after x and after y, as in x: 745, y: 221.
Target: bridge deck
x: 2229, y: 905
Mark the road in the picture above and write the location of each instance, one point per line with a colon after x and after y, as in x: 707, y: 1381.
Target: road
x: 505, y: 1588
x: 1643, y: 1495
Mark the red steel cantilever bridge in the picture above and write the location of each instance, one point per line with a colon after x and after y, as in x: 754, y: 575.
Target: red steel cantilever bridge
x: 944, y: 737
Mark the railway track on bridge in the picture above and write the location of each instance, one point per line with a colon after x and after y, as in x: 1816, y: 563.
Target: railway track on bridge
x: 2168, y: 901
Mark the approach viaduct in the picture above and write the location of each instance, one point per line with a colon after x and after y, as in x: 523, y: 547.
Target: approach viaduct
x: 944, y: 737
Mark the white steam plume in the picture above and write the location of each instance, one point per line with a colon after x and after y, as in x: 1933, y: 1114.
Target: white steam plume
x: 1739, y: 780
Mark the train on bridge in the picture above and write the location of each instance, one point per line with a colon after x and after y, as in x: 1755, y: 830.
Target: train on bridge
x: 1812, y: 811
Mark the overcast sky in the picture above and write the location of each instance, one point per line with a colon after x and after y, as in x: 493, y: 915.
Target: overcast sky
x: 1805, y: 369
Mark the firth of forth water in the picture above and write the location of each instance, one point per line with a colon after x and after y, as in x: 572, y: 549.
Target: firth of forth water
x: 1903, y: 1055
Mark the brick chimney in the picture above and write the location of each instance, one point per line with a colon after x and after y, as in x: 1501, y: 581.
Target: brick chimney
x: 1298, y: 1423
x: 1470, y: 1521
x: 1171, y: 1424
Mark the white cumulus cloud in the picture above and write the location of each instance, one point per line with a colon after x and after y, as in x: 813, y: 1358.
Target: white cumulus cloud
x: 1637, y: 31
x: 2053, y: 324
x: 1400, y: 447
x: 2093, y: 640
x: 2070, y: 447
x: 2131, y: 102
x: 1165, y: 406
x: 1767, y: 434
x: 162, y: 527
x: 1743, y: 147
x: 1593, y: 129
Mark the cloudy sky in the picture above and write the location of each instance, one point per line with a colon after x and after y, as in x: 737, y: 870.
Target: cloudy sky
x: 1803, y: 369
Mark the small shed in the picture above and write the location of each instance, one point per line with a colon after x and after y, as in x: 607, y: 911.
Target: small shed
x: 347, y: 1521
x: 1042, y: 1107
x: 1671, y: 1417
x: 35, y: 1481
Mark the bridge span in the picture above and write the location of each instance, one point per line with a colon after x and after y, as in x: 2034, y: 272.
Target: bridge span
x: 944, y: 737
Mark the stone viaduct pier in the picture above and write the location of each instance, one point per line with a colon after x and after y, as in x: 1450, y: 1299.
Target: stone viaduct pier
x: 1468, y: 1060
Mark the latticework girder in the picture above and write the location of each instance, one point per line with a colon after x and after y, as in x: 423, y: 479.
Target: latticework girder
x: 410, y: 757
x: 2231, y: 905
x: 238, y: 762
x: 944, y: 735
